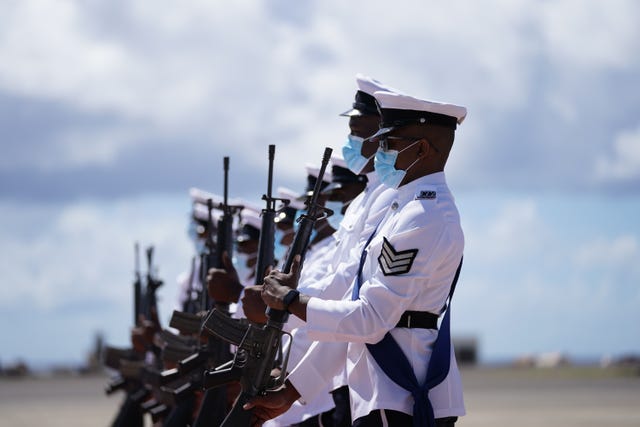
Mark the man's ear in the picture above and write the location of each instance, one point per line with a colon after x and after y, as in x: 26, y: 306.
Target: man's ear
x: 425, y: 148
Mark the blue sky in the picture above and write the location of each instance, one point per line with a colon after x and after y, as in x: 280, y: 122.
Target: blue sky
x: 111, y: 111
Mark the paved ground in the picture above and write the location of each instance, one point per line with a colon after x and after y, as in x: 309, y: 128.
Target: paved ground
x: 494, y: 397
x: 551, y: 397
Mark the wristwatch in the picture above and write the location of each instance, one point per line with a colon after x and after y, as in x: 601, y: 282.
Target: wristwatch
x: 289, y: 298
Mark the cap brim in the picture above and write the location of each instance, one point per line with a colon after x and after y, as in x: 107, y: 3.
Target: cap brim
x: 354, y: 112
x: 381, y: 132
x: 304, y: 196
x: 331, y: 187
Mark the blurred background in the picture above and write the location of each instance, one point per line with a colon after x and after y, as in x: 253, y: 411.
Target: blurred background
x: 111, y: 111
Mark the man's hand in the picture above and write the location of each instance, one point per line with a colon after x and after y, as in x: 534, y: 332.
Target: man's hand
x: 137, y: 340
x: 253, y: 306
x: 143, y: 335
x: 223, y: 284
x: 277, y: 284
x: 272, y: 404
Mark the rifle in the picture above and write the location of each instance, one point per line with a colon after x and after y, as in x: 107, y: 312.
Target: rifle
x: 190, y: 305
x: 150, y: 304
x: 214, y: 402
x: 134, y: 374
x: 260, y: 344
x: 137, y: 285
x: 111, y: 356
x: 266, y: 243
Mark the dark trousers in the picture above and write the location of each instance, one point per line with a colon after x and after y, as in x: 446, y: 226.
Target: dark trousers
x: 130, y: 414
x: 340, y: 416
x: 182, y: 414
x: 342, y: 411
x: 396, y: 419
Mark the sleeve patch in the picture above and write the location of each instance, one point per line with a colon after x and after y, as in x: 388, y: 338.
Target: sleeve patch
x: 426, y: 195
x: 394, y: 262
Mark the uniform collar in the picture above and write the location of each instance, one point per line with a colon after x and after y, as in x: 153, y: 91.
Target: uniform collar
x: 437, y: 178
x: 408, y: 192
x: 372, y: 179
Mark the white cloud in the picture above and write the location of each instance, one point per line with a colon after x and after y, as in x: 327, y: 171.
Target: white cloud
x: 590, y: 33
x: 259, y: 73
x: 516, y: 231
x: 248, y: 74
x: 624, y: 163
x: 620, y: 252
x: 85, y: 251
x: 533, y: 263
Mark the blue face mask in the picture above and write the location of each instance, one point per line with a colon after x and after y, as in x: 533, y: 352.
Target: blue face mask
x: 352, y: 153
x: 385, y: 166
x: 336, y: 218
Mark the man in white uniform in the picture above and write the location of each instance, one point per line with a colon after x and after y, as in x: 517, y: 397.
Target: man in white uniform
x: 337, y: 271
x: 407, y: 271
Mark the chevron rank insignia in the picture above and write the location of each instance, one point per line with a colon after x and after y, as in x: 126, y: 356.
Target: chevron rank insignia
x: 394, y: 262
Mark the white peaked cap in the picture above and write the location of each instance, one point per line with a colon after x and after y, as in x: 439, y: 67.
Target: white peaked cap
x: 398, y: 101
x: 201, y: 196
x: 397, y: 110
x: 201, y: 213
x: 338, y: 160
x: 250, y: 215
x: 341, y: 174
x: 314, y: 171
x: 370, y: 85
x: 364, y: 103
x: 292, y: 196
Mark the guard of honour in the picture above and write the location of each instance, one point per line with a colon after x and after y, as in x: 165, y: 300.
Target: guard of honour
x: 326, y: 307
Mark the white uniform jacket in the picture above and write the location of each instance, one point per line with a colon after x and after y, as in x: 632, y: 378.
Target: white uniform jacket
x: 410, y: 265
x: 331, y: 274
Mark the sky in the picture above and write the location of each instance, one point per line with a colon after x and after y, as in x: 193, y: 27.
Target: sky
x: 111, y: 111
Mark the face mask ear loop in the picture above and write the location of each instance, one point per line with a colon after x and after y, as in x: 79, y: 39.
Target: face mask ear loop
x: 345, y: 205
x: 416, y: 160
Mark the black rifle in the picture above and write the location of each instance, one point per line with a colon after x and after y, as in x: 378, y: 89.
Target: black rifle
x: 130, y: 365
x: 111, y: 356
x: 137, y: 286
x: 259, y: 345
x: 150, y: 302
x: 224, y: 238
x: 266, y: 257
x: 148, y: 372
x: 190, y: 304
x: 214, y: 403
